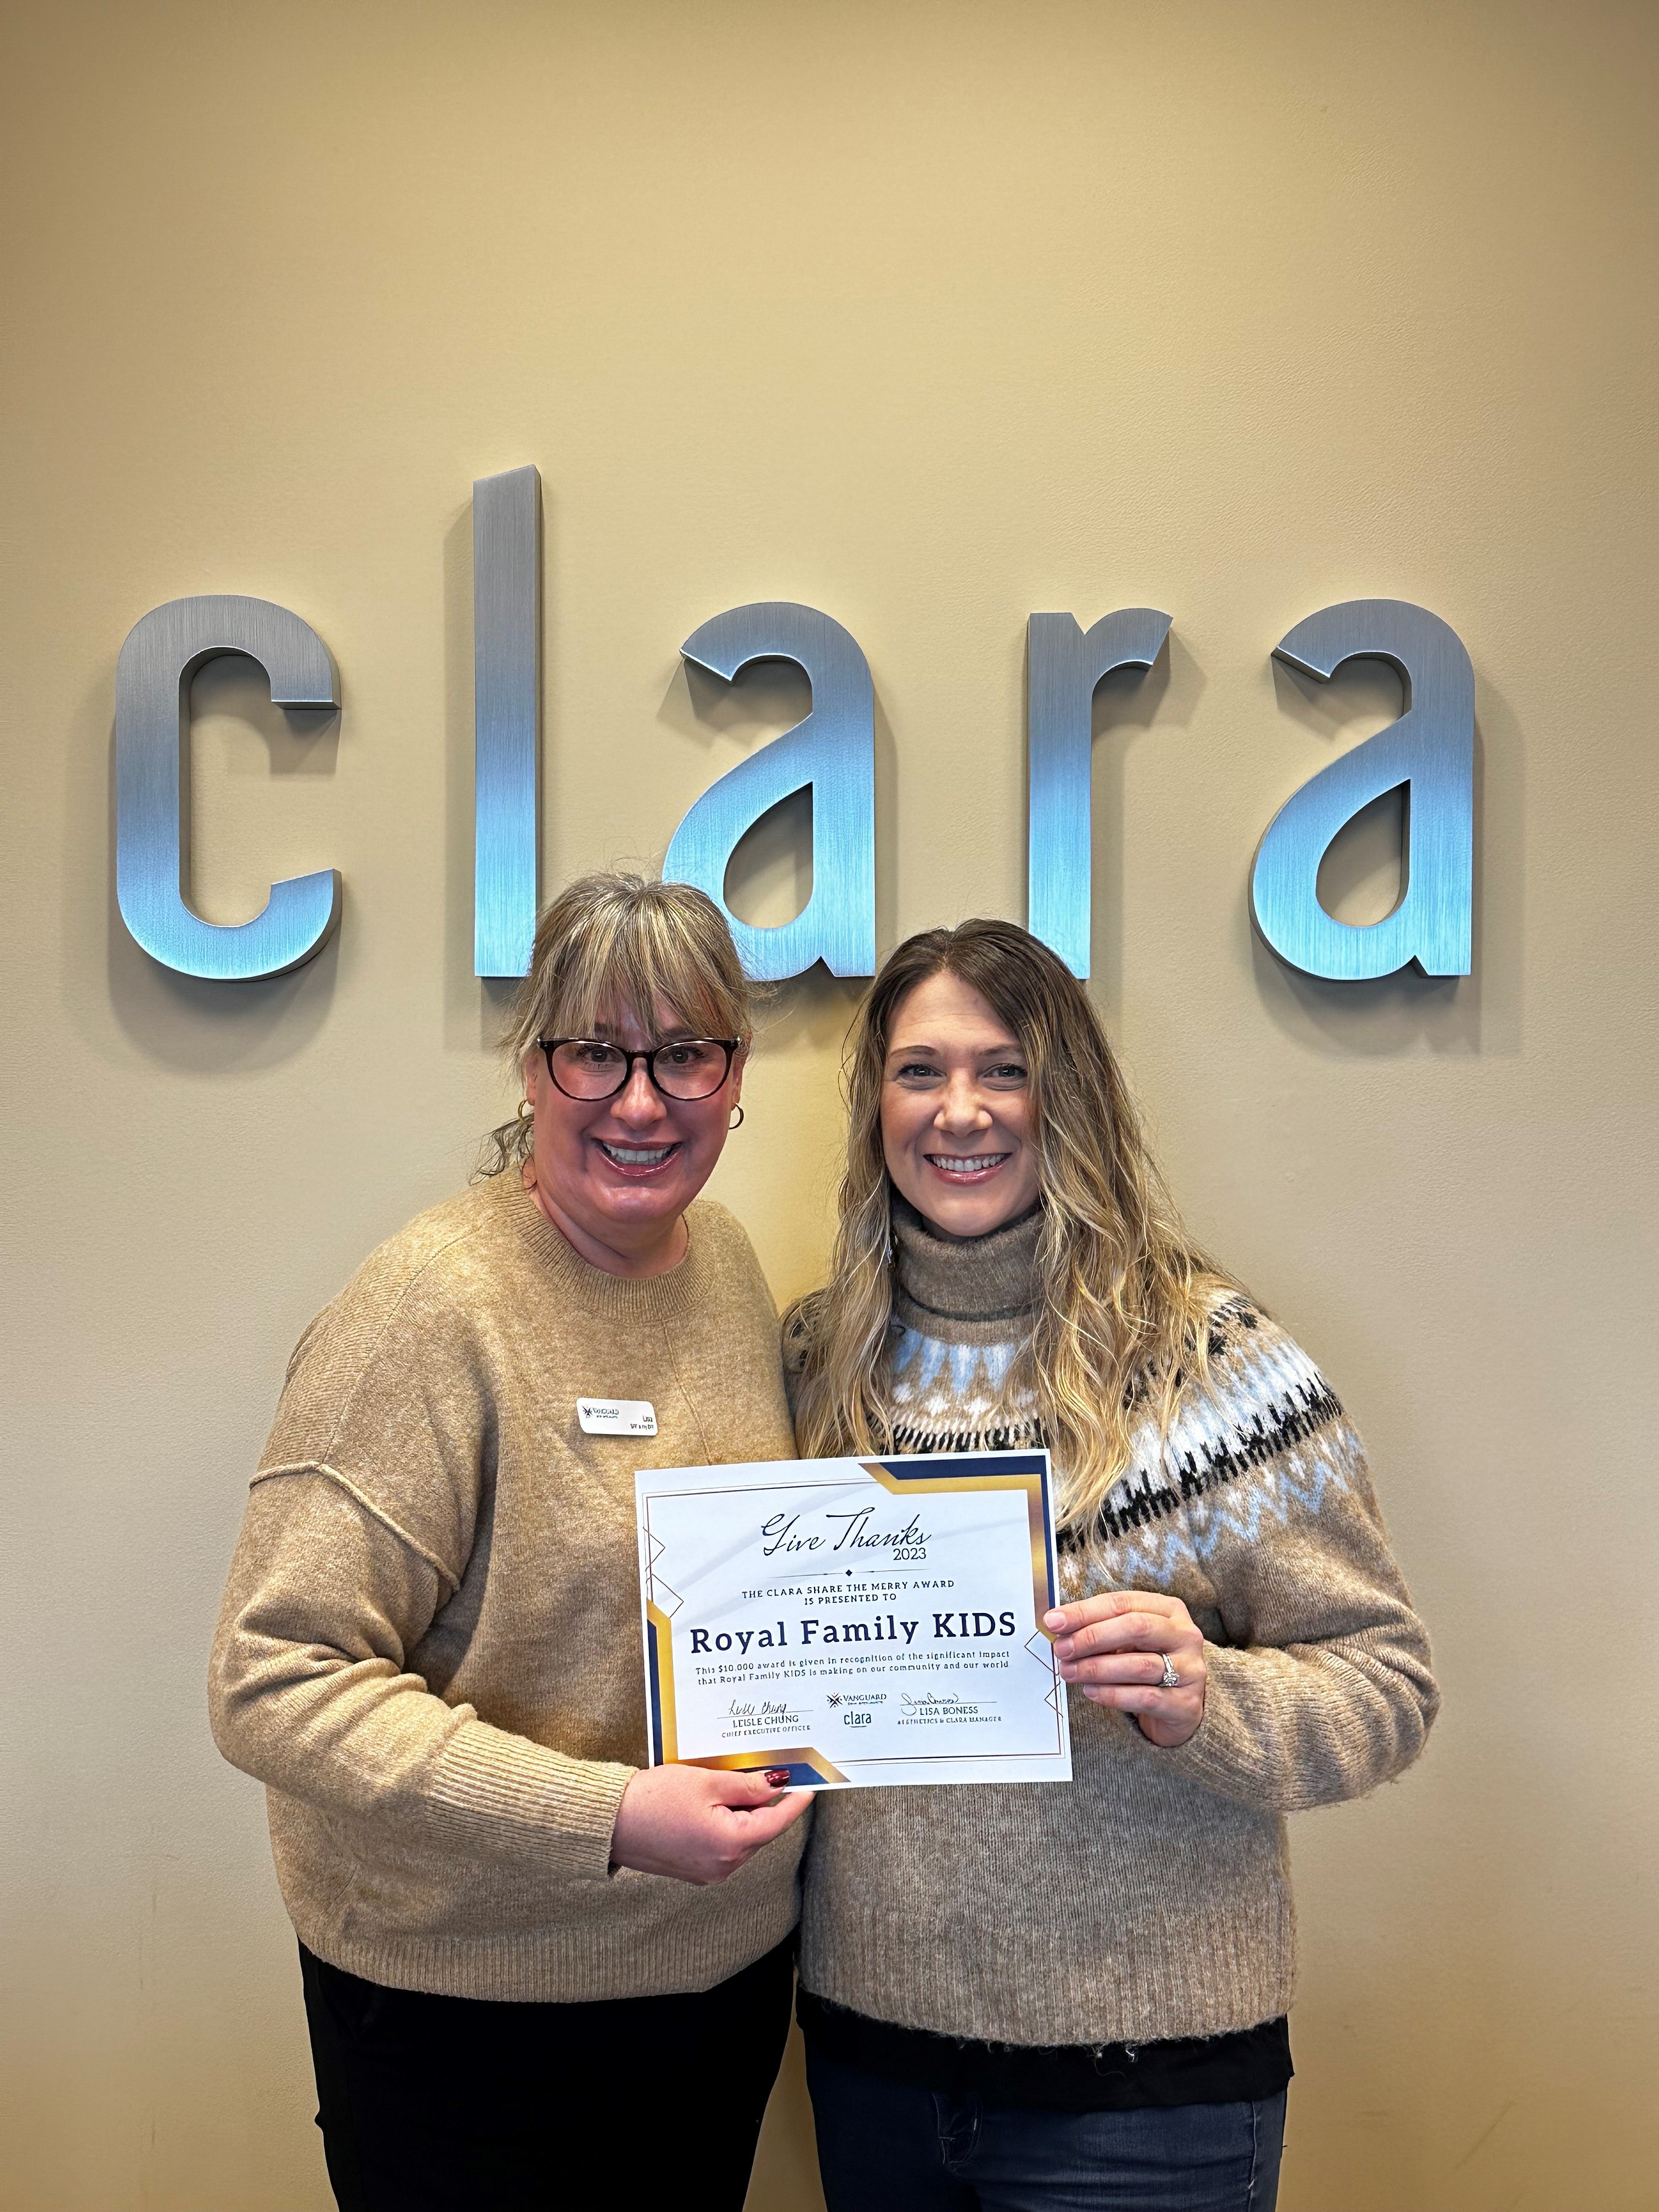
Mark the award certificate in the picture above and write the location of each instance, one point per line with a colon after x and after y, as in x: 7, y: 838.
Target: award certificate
x: 857, y: 1621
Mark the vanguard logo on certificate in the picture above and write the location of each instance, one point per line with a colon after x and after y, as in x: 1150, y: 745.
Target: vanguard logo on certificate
x: 860, y: 1621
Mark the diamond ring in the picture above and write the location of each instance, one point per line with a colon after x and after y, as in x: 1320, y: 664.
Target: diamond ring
x: 1172, y: 1680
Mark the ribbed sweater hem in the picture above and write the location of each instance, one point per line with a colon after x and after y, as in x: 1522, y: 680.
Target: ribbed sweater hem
x: 1157, y: 2002
x: 577, y: 1963
x: 1215, y: 1972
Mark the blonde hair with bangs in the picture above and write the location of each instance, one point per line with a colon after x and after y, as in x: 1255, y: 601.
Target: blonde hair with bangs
x: 613, y: 941
x: 1123, y: 1296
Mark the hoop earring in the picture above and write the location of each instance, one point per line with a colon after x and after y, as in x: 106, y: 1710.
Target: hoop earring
x: 737, y: 1123
x: 526, y: 1111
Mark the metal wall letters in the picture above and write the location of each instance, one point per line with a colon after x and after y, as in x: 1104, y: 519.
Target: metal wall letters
x: 162, y: 651
x: 1431, y: 749
x: 506, y: 676
x: 834, y: 750
x: 1064, y: 666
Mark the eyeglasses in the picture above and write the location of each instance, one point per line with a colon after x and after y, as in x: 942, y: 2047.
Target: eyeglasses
x: 685, y: 1068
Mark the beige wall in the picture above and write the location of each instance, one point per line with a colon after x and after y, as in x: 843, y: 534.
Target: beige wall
x: 928, y: 315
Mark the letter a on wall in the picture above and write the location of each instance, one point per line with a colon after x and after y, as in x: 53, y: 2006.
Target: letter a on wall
x: 833, y: 751
x: 1431, y: 750
x: 163, y: 650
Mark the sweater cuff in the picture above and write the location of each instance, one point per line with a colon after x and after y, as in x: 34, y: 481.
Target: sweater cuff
x: 501, y: 1797
x: 1226, y: 1752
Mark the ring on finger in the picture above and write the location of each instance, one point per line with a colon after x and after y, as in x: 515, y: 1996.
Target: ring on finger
x: 1170, y: 1679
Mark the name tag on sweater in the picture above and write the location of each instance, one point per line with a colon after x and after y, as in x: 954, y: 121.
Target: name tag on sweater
x: 617, y: 1417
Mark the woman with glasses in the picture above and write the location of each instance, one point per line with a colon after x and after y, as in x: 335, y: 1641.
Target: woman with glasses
x: 1074, y: 1995
x: 517, y: 1943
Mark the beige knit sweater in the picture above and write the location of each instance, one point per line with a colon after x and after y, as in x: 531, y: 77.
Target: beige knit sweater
x: 1149, y: 1897
x: 430, y: 1648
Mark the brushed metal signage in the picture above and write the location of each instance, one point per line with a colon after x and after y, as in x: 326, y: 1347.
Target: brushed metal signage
x: 506, y: 690
x: 833, y: 751
x: 1064, y: 667
x: 163, y: 651
x: 1428, y: 751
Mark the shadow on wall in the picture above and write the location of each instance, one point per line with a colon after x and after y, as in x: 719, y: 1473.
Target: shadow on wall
x: 1359, y: 881
x: 187, y: 1021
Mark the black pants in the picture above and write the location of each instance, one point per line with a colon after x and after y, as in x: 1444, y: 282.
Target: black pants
x: 470, y: 2106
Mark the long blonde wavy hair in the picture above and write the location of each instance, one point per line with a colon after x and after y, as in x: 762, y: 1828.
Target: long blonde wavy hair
x: 1123, y: 1296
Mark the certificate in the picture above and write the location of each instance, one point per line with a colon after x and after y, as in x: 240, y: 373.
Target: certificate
x: 859, y: 1622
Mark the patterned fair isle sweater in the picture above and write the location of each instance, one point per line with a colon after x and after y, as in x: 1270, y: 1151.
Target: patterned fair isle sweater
x: 1147, y: 1901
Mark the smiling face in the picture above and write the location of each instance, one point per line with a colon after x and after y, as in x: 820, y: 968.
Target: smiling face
x: 956, y: 1110
x: 616, y: 1175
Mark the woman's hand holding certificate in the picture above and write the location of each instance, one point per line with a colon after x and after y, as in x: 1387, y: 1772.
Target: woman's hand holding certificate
x: 1140, y: 1651
x: 698, y: 1827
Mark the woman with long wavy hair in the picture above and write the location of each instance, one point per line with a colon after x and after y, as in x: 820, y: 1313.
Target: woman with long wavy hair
x: 1075, y: 1994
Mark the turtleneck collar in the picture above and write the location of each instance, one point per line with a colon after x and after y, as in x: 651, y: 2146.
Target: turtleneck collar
x: 965, y: 1290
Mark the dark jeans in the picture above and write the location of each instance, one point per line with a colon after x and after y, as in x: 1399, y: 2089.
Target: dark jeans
x: 430, y: 2104
x: 884, y: 2147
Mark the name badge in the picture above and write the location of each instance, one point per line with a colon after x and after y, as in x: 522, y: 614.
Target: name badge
x: 617, y: 1417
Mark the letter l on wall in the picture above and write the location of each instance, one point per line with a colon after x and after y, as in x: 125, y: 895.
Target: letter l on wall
x: 507, y: 675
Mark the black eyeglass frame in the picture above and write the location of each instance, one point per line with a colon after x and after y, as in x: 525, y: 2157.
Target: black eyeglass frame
x: 547, y: 1046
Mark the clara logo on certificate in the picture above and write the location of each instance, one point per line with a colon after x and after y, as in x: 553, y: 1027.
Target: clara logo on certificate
x: 861, y: 1622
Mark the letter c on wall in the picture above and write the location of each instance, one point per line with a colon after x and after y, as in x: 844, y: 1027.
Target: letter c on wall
x: 1431, y: 749
x: 163, y: 650
x: 834, y: 750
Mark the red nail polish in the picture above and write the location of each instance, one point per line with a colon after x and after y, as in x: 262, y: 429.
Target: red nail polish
x: 777, y: 1776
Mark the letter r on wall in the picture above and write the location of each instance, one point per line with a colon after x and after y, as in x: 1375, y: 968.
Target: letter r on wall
x: 1064, y: 667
